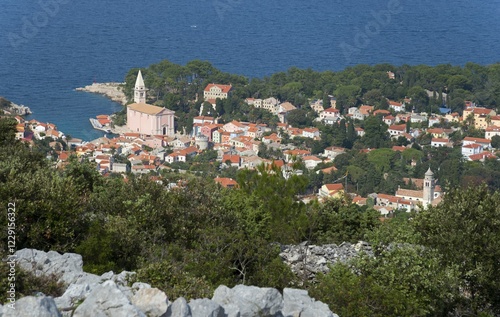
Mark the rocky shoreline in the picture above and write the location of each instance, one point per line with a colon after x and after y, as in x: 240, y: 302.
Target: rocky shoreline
x: 111, y: 90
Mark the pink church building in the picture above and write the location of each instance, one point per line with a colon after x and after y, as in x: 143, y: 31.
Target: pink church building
x: 148, y: 119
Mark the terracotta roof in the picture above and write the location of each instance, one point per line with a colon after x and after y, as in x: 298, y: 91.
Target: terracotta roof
x: 395, y: 103
x: 481, y: 156
x: 204, y: 118
x: 231, y: 158
x: 477, y: 140
x: 329, y: 170
x: 493, y: 128
x: 148, y: 109
x: 472, y: 146
x: 331, y: 187
x: 311, y: 158
x: 365, y: 109
x: 380, y: 111
x: 480, y: 111
x: 398, y: 127
x: 226, y: 182
x: 331, y: 110
x: 224, y: 88
x: 441, y: 140
x: 398, y: 148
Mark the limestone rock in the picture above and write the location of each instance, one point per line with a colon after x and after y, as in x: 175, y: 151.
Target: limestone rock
x: 31, y: 306
x: 250, y: 300
x: 139, y: 285
x: 107, y: 300
x: 205, y: 308
x: 179, y: 308
x: 74, y: 293
x: 297, y: 303
x: 308, y: 260
x: 68, y: 265
x: 151, y: 301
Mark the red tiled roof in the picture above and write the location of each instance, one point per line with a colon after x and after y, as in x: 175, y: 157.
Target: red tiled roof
x: 331, y: 187
x: 226, y: 182
x: 380, y: 111
x: 232, y: 158
x: 441, y: 140
x: 472, y: 146
x: 395, y: 103
x: 398, y: 127
x: 224, y: 88
x: 477, y: 140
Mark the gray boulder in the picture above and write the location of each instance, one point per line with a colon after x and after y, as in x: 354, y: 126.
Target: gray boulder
x: 205, y: 308
x: 179, y: 308
x: 151, y: 301
x: 74, y: 293
x: 250, y: 300
x: 31, y: 306
x: 139, y: 285
x: 107, y: 300
x: 297, y: 303
x: 68, y: 265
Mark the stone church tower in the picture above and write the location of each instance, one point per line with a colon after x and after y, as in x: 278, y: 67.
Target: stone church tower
x: 428, y: 187
x: 140, y: 89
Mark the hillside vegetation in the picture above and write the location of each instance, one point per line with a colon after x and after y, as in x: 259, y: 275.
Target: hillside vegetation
x: 189, y: 240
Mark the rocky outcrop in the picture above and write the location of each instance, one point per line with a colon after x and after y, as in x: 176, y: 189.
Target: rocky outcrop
x: 107, y: 300
x: 110, y: 295
x: 111, y: 90
x: 31, y: 306
x: 308, y: 260
x: 248, y: 301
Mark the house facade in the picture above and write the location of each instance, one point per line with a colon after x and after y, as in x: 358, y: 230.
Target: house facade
x: 214, y: 91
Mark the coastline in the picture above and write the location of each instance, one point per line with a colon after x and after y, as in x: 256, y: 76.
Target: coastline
x: 112, y: 91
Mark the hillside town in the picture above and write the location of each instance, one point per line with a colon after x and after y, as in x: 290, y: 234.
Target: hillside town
x: 153, y: 146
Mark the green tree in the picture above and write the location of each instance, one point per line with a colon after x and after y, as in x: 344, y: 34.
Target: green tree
x: 404, y: 280
x: 376, y: 134
x: 495, y: 141
x: 465, y: 231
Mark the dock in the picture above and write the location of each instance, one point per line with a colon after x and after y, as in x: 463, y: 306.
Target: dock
x: 98, y: 126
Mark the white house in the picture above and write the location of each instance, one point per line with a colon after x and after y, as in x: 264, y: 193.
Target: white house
x: 491, y: 131
x: 471, y: 149
x: 441, y: 142
x: 397, y: 106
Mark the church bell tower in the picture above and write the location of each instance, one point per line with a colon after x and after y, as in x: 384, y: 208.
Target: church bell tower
x: 140, y: 89
x: 428, y: 187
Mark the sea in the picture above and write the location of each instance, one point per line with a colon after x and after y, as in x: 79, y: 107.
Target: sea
x: 50, y: 47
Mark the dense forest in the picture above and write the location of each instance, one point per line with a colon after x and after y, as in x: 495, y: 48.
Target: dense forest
x: 186, y: 241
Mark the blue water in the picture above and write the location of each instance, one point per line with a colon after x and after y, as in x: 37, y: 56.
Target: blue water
x: 83, y: 41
